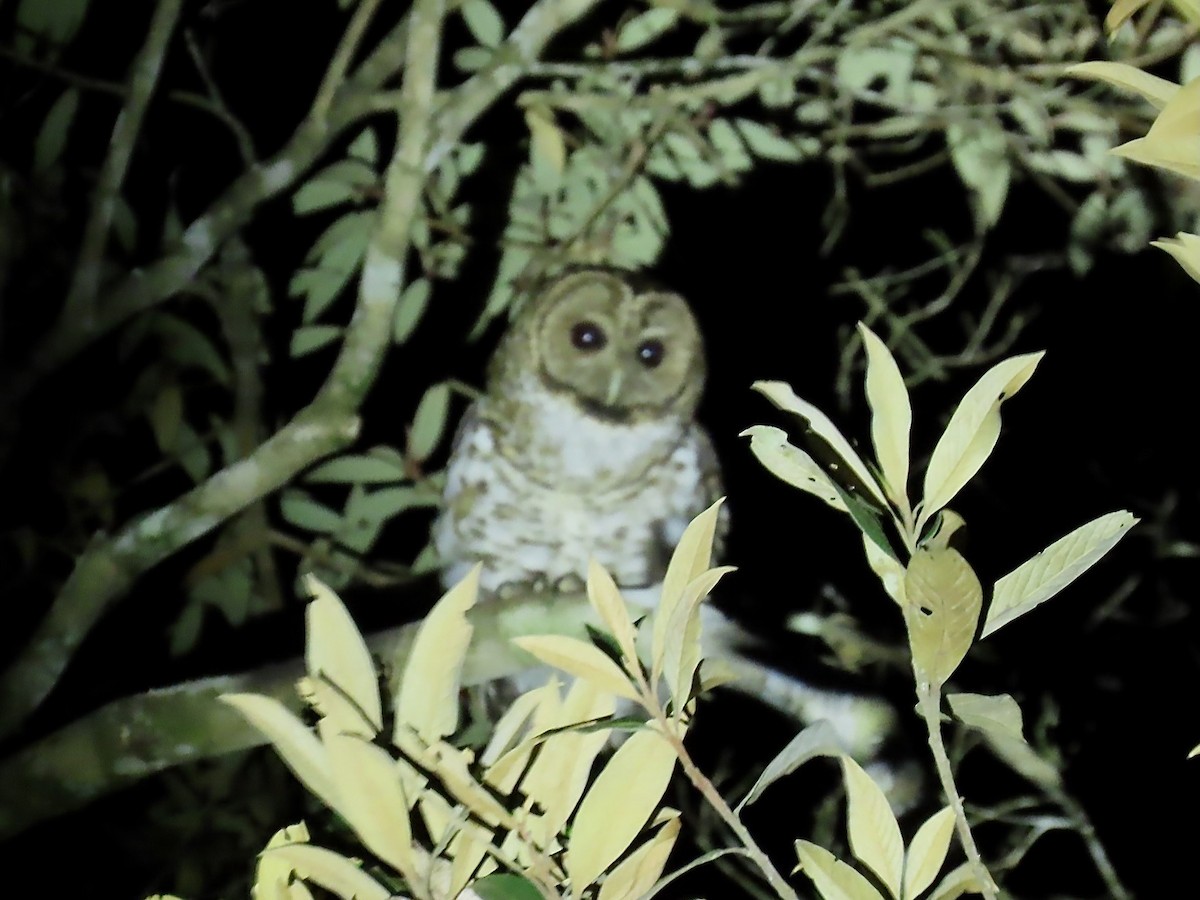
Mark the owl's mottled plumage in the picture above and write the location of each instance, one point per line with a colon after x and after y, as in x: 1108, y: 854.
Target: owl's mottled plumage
x: 585, y: 443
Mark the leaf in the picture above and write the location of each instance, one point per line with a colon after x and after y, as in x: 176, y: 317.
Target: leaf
x: 645, y: 27
x: 729, y: 145
x: 891, y: 416
x: 410, y: 309
x: 373, y: 801
x: 927, y: 852
x: 820, y: 425
x: 1158, y: 91
x: 691, y: 558
x: 1038, y: 579
x: 296, y: 745
x: 548, y: 147
x: 606, y: 599
x: 427, y: 700
x: 52, y: 137
x: 972, y: 432
x: 621, y: 800
x: 960, y: 880
x: 1120, y: 12
x: 187, y: 345
x: 124, y: 224
x: 483, y: 21
x: 356, y: 468
x: 365, y: 148
x: 766, y: 143
x: 308, y: 338
x: 472, y: 59
x: 818, y: 739
x: 429, y: 421
x: 638, y: 872
x: 682, y: 651
x: 330, y: 870
x: 944, y: 600
x: 57, y: 21
x: 791, y: 464
x: 979, y: 152
x: 997, y: 715
x: 337, y: 183
x: 336, y: 650
x: 166, y: 417
x: 581, y: 659
x: 833, y: 878
x: 503, y: 887
x: 302, y: 511
x: 874, y: 833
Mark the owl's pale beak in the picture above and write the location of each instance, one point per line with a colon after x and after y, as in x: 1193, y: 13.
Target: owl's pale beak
x: 614, y: 387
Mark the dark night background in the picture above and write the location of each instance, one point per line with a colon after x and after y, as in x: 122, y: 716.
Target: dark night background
x: 1105, y: 424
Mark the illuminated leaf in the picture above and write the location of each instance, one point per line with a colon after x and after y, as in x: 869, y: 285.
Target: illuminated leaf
x: 344, y: 180
x: 1038, y: 579
x: 1120, y: 13
x: 927, y: 852
x: 428, y: 698
x: 999, y: 714
x: 833, y: 878
x: 972, y: 432
x: 889, y: 569
x: 891, y: 416
x: 682, y: 650
x: 979, y: 151
x: 1158, y: 91
x: 874, y: 833
x: 620, y: 802
x: 331, y: 871
x: 606, y: 599
x: 960, y: 880
x: 356, y: 468
x: 818, y: 739
x: 820, y: 425
x: 548, y: 146
x: 336, y: 650
x: 1185, y: 249
x: 298, y: 747
x: 944, y: 599
x: 791, y: 464
x: 766, y: 142
x: 483, y: 22
x: 373, y: 801
x: 645, y: 27
x: 638, y: 872
x: 579, y: 658
x: 365, y: 147
x: 410, y: 309
x: 309, y: 338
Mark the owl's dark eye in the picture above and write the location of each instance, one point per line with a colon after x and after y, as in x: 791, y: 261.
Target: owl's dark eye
x: 588, y: 336
x: 651, y: 353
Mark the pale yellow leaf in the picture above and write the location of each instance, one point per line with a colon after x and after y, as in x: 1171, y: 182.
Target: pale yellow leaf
x: 428, y: 697
x: 1158, y: 91
x: 790, y: 464
x: 690, y: 558
x: 1185, y: 249
x: 606, y: 599
x: 874, y: 833
x: 271, y: 875
x: 546, y: 138
x: 891, y: 416
x: 1040, y: 578
x: 468, y: 848
x: 944, y: 600
x: 972, y: 432
x: 337, y: 651
x: 833, y: 878
x: 927, y: 852
x: 331, y: 871
x: 682, y: 651
x: 618, y: 805
x: 368, y: 785
x: 1023, y: 759
x: 820, y: 424
x: 889, y: 570
x: 997, y: 714
x: 1194, y: 751
x: 297, y: 746
x: 579, y: 658
x: 333, y: 704
x: 637, y: 873
x: 958, y: 881
x: 1120, y: 13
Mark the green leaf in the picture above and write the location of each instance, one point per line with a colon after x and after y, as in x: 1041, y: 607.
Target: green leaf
x: 334, y: 184
x: 52, y: 138
x: 998, y: 714
x: 504, y: 887
x: 187, y: 345
x: 358, y: 469
x: 320, y: 287
x: 818, y: 739
x: 469, y: 156
x: 124, y: 224
x: 55, y: 20
x: 308, y: 338
x: 304, y: 512
x: 472, y: 59
x: 944, y: 599
x: 766, y: 142
x: 483, y: 21
x: 729, y: 146
x: 365, y: 148
x: 860, y: 68
x: 429, y: 422
x: 980, y: 156
x: 1040, y: 578
x: 166, y: 417
x: 645, y: 27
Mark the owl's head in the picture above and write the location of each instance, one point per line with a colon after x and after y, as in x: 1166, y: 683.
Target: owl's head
x: 621, y: 348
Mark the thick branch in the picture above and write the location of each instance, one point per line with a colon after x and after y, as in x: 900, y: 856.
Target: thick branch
x: 143, y: 78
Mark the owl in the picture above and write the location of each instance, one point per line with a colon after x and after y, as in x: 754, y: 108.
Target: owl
x: 584, y: 444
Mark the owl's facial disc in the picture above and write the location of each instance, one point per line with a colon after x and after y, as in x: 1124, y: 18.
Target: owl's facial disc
x: 618, y: 352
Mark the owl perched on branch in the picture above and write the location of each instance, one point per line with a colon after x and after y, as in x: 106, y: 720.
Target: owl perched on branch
x: 585, y: 442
